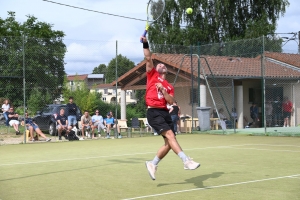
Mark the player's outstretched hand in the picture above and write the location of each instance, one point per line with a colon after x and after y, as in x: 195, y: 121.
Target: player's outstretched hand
x: 143, y: 39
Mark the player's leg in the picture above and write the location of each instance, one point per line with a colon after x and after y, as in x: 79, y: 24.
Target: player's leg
x: 162, y: 152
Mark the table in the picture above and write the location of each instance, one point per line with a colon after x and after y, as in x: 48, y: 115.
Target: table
x: 188, y: 123
x: 214, y: 122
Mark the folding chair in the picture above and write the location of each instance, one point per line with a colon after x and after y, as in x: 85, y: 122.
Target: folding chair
x: 135, y: 124
x: 123, y: 125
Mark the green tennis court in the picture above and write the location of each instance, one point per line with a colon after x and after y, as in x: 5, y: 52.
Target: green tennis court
x: 232, y: 167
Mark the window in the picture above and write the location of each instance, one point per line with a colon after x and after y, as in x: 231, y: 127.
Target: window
x: 105, y: 91
x: 104, y: 99
x: 194, y: 96
x: 255, y: 96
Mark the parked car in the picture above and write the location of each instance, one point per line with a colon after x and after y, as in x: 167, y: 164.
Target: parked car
x: 46, y: 118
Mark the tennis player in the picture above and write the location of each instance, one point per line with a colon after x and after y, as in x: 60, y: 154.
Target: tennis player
x: 158, y: 93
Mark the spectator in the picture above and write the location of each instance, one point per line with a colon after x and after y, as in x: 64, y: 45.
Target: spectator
x: 13, y: 120
x: 246, y: 121
x: 97, y: 121
x: 72, y: 112
x: 5, y: 109
x: 224, y: 119
x: 110, y: 123
x: 220, y: 121
x: 214, y: 114
x: 174, y: 110
x: 287, y: 108
x: 32, y: 126
x: 62, y: 124
x: 179, y: 121
x: 277, y: 111
x: 86, y: 124
x: 111, y: 113
x: 254, y: 113
x: 269, y: 112
x: 234, y: 114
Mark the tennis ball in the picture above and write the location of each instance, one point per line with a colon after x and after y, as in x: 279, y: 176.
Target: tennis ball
x: 189, y: 11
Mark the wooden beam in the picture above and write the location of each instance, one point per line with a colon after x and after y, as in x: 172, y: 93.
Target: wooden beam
x: 134, y: 87
x: 135, y: 80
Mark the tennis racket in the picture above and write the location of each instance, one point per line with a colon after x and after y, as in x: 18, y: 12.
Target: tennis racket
x: 155, y: 9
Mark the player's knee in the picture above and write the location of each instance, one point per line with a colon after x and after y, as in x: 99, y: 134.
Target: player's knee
x: 169, y: 134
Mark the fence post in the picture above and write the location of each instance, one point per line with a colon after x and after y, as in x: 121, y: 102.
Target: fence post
x: 263, y: 120
x: 24, y: 88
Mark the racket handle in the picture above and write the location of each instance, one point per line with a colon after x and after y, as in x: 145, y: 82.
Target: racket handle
x: 144, y: 35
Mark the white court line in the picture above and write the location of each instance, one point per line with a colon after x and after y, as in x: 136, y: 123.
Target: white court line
x: 295, y: 177
x: 108, y: 156
x: 211, y: 187
x: 273, y: 145
x: 265, y: 149
x: 120, y: 155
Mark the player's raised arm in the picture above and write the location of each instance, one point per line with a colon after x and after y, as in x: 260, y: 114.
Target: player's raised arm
x: 147, y: 54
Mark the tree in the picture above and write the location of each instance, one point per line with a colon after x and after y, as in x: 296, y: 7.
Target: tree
x: 124, y: 65
x: 37, y: 100
x: 215, y: 21
x: 101, y: 69
x: 83, y: 98
x: 43, y: 50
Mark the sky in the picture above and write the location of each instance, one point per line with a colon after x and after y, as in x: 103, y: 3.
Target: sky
x: 93, y: 38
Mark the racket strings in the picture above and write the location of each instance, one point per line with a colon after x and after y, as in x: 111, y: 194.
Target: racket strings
x: 155, y: 9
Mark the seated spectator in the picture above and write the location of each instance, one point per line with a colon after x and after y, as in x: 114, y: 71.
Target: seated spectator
x: 5, y: 110
x: 86, y: 124
x: 32, y: 126
x: 246, y: 122
x: 221, y: 117
x: 269, y: 112
x: 97, y: 121
x: 254, y: 113
x: 234, y: 114
x: 223, y: 120
x: 110, y: 123
x: 214, y: 114
x: 62, y: 124
x: 13, y: 120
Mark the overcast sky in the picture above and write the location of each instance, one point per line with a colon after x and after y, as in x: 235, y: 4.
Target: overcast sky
x: 91, y: 37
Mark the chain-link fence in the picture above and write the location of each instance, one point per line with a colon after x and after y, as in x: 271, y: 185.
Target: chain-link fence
x: 248, y: 83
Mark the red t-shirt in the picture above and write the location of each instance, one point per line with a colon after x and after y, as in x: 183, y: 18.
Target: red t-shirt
x: 154, y: 97
x: 287, y: 106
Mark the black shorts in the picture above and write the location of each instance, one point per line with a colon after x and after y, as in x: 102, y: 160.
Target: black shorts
x: 286, y: 114
x: 160, y: 120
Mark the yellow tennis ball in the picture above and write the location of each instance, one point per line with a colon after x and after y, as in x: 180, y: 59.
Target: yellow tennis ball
x: 189, y: 11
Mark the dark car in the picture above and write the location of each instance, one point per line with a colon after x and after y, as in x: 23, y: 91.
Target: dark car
x: 46, y: 118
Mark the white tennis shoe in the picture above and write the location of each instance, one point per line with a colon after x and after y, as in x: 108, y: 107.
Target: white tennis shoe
x: 151, y: 169
x: 190, y: 164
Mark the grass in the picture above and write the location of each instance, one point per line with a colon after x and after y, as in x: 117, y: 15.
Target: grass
x: 232, y: 167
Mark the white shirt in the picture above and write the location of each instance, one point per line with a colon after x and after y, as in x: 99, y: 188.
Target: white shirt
x: 5, y: 107
x: 97, y: 118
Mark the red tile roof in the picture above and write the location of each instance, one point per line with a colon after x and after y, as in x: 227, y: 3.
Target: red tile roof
x: 104, y: 86
x: 221, y: 66
x: 291, y: 59
x: 77, y: 77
